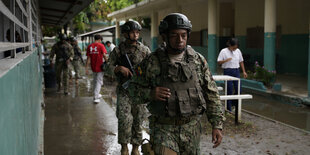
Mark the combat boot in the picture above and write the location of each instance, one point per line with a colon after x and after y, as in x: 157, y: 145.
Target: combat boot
x: 135, y: 150
x: 124, y: 150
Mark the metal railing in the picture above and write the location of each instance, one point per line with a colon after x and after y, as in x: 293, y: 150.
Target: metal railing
x: 19, y: 28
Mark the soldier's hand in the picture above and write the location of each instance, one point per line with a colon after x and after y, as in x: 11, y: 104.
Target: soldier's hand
x: 161, y: 93
x: 86, y: 71
x: 124, y: 70
x: 216, y: 137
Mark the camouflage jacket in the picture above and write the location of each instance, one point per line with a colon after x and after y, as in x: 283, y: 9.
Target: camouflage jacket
x: 63, y: 51
x: 136, y: 53
x: 150, y: 72
x: 77, y: 52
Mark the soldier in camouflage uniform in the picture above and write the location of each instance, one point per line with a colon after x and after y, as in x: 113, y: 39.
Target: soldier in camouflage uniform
x: 76, y: 59
x: 129, y: 115
x: 178, y: 86
x: 64, y: 54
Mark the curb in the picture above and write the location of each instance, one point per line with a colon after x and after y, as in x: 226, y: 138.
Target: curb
x: 258, y: 88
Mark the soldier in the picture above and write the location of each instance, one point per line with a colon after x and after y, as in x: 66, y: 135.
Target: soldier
x: 130, y: 51
x: 178, y: 86
x: 76, y: 59
x: 64, y: 54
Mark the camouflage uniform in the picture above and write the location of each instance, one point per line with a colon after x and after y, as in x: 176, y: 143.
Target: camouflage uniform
x: 76, y: 60
x: 129, y: 115
x: 63, y: 51
x: 178, y: 129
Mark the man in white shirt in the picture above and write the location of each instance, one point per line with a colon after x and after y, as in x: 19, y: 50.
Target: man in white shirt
x: 231, y: 59
x: 110, y: 46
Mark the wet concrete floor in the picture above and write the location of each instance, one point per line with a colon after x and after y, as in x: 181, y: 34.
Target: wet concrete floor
x: 286, y: 113
x: 76, y: 126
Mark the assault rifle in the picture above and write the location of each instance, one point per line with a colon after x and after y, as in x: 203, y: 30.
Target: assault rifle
x: 79, y: 54
x: 127, y: 63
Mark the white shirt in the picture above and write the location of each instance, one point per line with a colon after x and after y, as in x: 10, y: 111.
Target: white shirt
x: 236, y: 56
x: 112, y: 46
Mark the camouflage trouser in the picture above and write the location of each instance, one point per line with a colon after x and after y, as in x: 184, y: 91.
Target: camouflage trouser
x: 130, y: 118
x: 76, y: 67
x: 61, y: 68
x: 183, y: 139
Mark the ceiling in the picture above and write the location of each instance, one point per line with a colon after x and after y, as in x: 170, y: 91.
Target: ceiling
x: 60, y: 12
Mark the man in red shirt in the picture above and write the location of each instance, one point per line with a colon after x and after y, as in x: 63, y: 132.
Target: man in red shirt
x: 95, y: 52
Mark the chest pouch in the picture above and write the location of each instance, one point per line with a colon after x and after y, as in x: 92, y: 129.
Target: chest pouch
x: 173, y: 72
x: 184, y: 102
x: 186, y: 72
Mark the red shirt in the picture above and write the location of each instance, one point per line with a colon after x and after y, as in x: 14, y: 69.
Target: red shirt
x: 95, y: 52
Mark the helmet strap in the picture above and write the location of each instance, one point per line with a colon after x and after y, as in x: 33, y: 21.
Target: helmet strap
x: 128, y: 38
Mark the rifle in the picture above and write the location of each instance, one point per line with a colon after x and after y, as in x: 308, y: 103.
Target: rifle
x: 78, y: 53
x: 128, y: 65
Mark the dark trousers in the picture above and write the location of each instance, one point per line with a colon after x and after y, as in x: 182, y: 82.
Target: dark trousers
x: 232, y: 85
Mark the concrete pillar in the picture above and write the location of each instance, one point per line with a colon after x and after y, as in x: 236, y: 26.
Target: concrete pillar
x: 154, y: 30
x: 270, y: 35
x: 212, y: 38
x: 309, y: 60
x: 117, y: 33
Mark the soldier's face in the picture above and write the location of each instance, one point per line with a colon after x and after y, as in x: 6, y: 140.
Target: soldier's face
x: 134, y: 35
x: 178, y: 38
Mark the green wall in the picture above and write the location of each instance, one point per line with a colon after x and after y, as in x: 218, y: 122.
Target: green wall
x: 291, y: 56
x: 20, y: 107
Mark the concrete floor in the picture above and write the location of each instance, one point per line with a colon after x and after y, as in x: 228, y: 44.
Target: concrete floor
x: 293, y: 85
x: 74, y: 125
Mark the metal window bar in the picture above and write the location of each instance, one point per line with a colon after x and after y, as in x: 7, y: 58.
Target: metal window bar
x: 22, y: 17
x: 22, y: 8
x: 11, y: 16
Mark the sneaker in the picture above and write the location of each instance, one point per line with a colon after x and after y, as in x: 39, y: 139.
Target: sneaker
x: 96, y: 101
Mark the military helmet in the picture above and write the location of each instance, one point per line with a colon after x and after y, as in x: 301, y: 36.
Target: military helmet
x: 72, y: 39
x: 130, y: 26
x: 175, y: 21
x: 63, y: 37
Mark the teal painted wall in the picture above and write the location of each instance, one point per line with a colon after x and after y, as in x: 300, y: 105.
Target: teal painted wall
x: 117, y: 41
x: 20, y: 107
x: 154, y: 45
x: 291, y: 56
x: 202, y: 50
x: 270, y: 50
x: 212, y: 52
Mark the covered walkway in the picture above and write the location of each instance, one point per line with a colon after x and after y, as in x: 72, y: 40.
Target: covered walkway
x: 74, y: 125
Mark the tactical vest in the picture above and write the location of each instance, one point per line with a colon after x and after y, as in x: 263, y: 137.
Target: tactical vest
x: 135, y: 57
x: 62, y: 52
x: 182, y: 79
